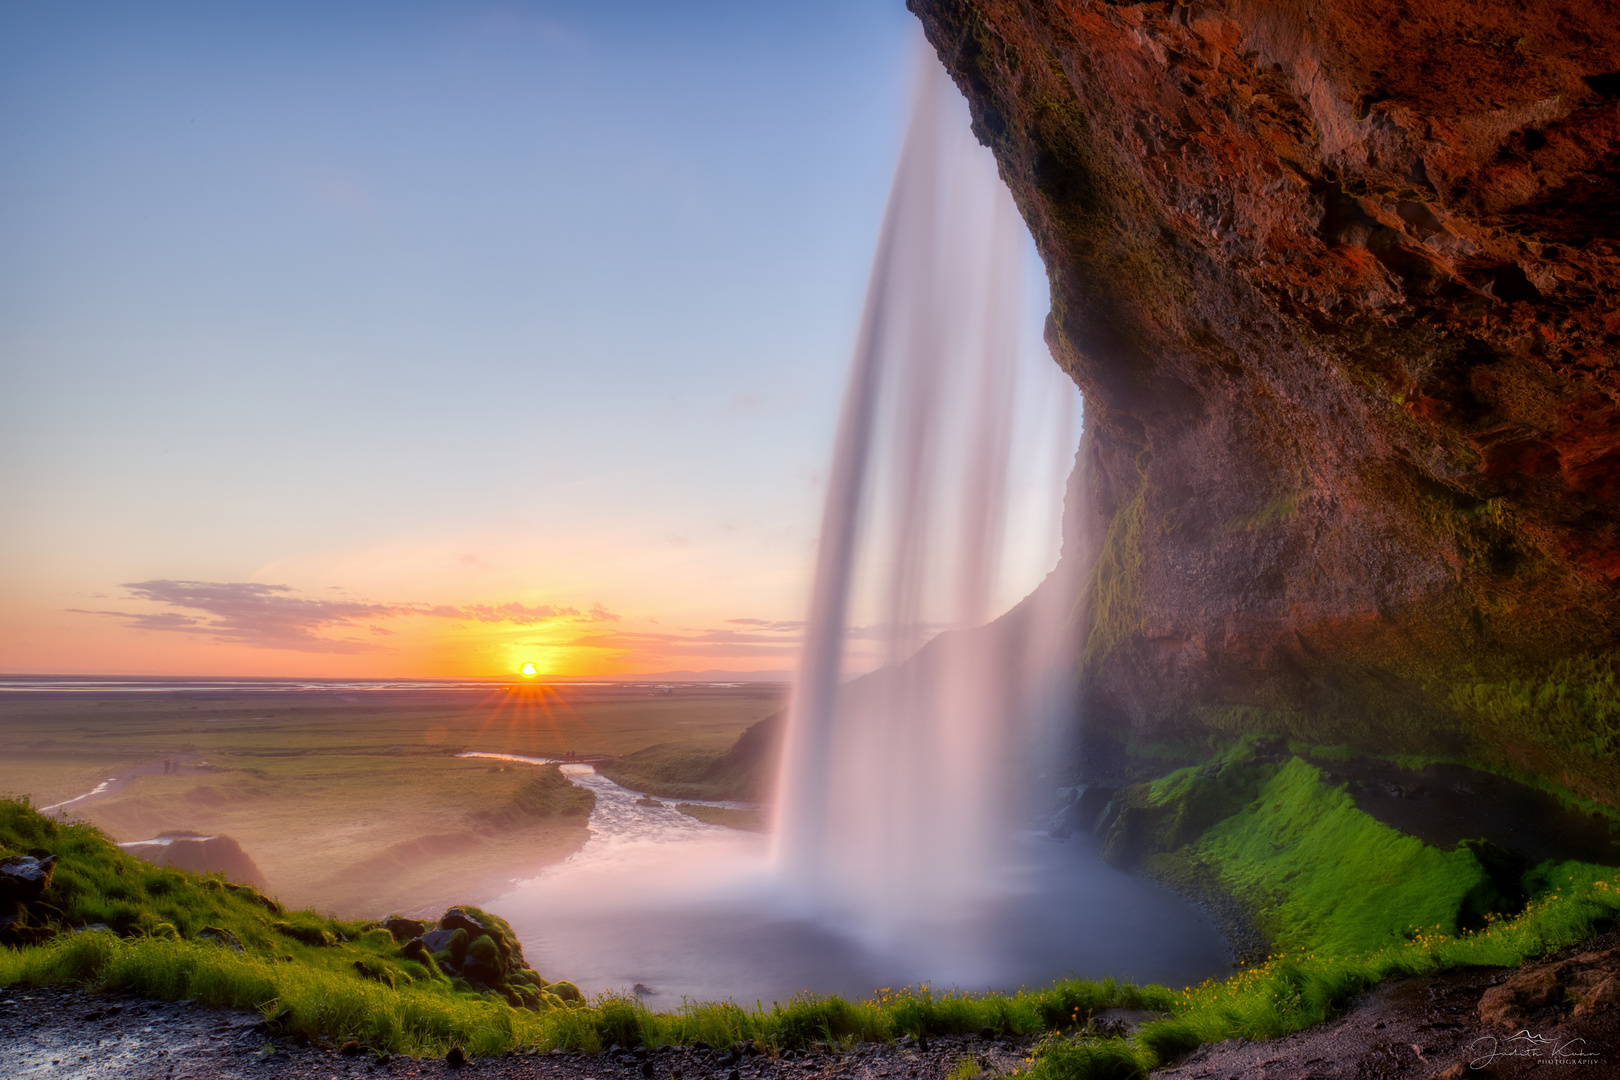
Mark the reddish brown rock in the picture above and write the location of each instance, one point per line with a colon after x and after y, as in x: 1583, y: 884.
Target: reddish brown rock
x: 1538, y: 994
x: 1340, y: 281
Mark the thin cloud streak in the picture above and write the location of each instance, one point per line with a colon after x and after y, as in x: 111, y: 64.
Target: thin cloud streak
x: 265, y: 616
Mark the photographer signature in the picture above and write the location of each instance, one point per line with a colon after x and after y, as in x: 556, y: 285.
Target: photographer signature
x: 1522, y: 1044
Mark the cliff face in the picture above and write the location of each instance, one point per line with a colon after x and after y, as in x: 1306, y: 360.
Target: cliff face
x: 1338, y: 280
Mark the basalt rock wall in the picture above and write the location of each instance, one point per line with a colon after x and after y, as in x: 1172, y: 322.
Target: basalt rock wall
x: 1339, y: 282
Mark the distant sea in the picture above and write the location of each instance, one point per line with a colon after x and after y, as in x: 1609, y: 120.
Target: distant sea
x: 125, y: 684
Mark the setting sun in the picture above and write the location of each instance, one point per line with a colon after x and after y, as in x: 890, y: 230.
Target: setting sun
x: 527, y: 670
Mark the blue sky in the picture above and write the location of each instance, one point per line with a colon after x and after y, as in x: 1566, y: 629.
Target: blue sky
x: 544, y: 304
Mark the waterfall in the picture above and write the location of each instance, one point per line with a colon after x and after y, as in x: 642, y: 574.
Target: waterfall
x: 934, y: 659
x: 896, y: 791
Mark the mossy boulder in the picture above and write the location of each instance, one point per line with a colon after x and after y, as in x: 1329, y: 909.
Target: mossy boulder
x: 479, y: 951
x: 404, y: 929
x: 483, y: 962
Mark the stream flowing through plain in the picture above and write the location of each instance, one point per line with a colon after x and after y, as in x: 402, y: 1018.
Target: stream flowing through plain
x: 698, y: 912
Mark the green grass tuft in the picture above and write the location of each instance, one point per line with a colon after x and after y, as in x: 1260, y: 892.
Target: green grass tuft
x: 1088, y: 1059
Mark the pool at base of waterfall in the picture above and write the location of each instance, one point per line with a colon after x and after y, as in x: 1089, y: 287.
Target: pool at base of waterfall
x: 694, y: 912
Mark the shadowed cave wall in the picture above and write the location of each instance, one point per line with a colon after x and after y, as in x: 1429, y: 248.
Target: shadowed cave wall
x: 1338, y: 282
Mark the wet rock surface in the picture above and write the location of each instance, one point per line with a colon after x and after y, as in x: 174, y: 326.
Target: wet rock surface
x: 1538, y: 994
x: 1339, y: 283
x: 55, y: 1032
x: 65, y: 1034
x: 24, y: 878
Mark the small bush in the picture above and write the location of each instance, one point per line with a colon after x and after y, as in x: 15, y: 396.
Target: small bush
x: 621, y: 1019
x: 1087, y: 1059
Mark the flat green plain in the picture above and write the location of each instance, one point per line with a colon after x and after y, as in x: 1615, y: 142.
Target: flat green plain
x: 352, y: 803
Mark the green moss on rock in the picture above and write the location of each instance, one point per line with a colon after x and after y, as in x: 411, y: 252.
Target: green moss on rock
x: 1114, y: 592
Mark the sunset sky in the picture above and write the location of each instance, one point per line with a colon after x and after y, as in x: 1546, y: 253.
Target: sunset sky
x: 416, y: 339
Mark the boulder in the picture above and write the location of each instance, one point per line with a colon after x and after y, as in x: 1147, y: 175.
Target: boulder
x: 1541, y: 993
x: 416, y: 949
x: 479, y: 923
x: 24, y: 878
x: 460, y: 918
x: 404, y: 929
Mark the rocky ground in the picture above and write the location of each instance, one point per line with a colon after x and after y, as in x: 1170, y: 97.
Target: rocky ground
x: 1554, y: 1018
x: 63, y: 1034
x: 1560, y: 1016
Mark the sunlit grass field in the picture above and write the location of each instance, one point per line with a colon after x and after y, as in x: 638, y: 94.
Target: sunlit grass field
x: 353, y: 804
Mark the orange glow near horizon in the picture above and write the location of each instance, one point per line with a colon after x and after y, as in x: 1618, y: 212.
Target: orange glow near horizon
x: 407, y: 642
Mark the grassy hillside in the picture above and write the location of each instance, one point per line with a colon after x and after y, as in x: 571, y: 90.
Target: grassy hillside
x: 309, y: 783
x: 745, y: 770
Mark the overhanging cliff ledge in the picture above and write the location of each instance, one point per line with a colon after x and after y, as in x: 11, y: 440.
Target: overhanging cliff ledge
x: 1339, y: 282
